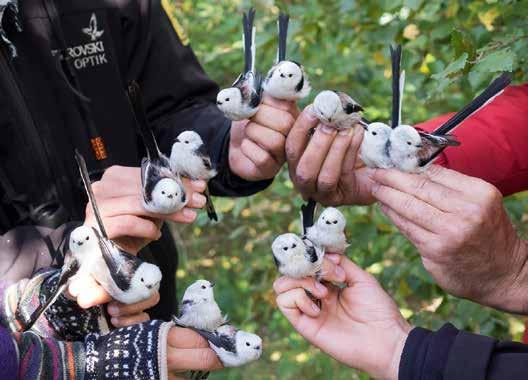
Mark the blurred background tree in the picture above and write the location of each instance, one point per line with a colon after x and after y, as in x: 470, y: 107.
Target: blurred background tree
x: 452, y: 49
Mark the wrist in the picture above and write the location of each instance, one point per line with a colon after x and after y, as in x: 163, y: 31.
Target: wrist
x: 517, y: 298
x: 397, y: 350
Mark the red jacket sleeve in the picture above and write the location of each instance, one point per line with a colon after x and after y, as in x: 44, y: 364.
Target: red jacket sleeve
x: 494, y: 142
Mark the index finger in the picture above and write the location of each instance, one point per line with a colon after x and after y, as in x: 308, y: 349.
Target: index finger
x: 299, y: 136
x: 422, y: 187
x: 355, y: 274
x: 180, y: 337
x: 285, y: 105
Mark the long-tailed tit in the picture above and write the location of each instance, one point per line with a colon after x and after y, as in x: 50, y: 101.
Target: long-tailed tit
x: 412, y: 150
x: 297, y: 257
x: 233, y: 347
x: 163, y: 191
x: 286, y: 80
x: 199, y: 308
x: 190, y: 158
x: 328, y: 232
x: 338, y: 110
x: 242, y: 100
x: 375, y: 146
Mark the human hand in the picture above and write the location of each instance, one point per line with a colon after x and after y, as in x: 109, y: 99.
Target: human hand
x: 462, y: 231
x: 359, y: 325
x: 119, y: 198
x: 325, y: 167
x: 88, y: 293
x: 188, y: 351
x: 256, y: 150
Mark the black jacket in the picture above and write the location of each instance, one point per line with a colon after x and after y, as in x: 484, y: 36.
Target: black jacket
x: 110, y: 43
x: 458, y: 355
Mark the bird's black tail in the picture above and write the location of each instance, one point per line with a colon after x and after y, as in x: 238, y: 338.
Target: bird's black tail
x: 308, y: 215
x: 283, y: 22
x: 249, y: 40
x: 494, y: 89
x: 396, y: 54
x: 88, y: 187
x: 209, y: 205
x: 136, y: 100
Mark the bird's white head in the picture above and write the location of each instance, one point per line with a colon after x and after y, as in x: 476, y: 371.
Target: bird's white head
x: 287, y: 76
x: 287, y: 245
x: 377, y: 133
x: 83, y: 240
x: 168, y: 195
x: 145, y: 282
x: 406, y: 139
x: 229, y: 100
x: 331, y: 219
x: 248, y: 346
x: 200, y: 291
x: 188, y: 140
x: 326, y: 105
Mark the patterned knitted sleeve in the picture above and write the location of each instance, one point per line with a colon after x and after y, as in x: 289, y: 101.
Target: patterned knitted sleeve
x: 63, y: 320
x: 135, y: 352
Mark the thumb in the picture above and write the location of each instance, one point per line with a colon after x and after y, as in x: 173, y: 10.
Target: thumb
x: 355, y: 274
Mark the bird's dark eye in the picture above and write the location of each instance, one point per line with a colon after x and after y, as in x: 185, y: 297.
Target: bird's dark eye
x: 163, y: 192
x: 204, y: 287
x: 142, y: 279
x: 227, y: 99
x: 186, y: 142
x: 285, y: 248
x: 87, y: 237
x: 374, y: 133
x: 409, y: 143
x: 294, y: 246
x: 335, y: 221
x: 247, y: 344
x: 290, y: 75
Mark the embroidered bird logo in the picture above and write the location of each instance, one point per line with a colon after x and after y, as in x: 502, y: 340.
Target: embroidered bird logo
x: 92, y: 29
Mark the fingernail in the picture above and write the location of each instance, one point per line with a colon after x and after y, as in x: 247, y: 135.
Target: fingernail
x: 199, y: 199
x: 383, y: 208
x: 375, y: 188
x: 340, y: 273
x: 320, y: 287
x: 115, y: 321
x: 311, y: 113
x: 328, y: 130
x: 333, y: 257
x: 199, y: 184
x: 347, y: 132
x: 315, y: 308
x: 189, y: 214
x: 113, y: 310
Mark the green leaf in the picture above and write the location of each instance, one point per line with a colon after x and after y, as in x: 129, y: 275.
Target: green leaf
x: 452, y: 68
x: 502, y: 60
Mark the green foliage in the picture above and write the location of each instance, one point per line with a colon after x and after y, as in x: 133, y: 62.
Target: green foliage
x: 452, y: 49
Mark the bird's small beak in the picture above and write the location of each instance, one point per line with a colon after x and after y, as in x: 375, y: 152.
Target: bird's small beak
x: 149, y: 286
x: 212, y: 284
x: 177, y: 140
x: 79, y: 243
x: 419, y: 146
x: 365, y: 127
x: 170, y: 196
x: 218, y: 103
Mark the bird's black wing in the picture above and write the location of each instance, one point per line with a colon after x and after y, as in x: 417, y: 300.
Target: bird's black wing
x: 69, y: 269
x: 283, y: 22
x: 311, y: 251
x: 148, y: 179
x: 85, y: 176
x: 396, y: 54
x: 185, y: 306
x: 349, y: 105
x: 121, y: 265
x: 219, y: 340
x: 308, y: 215
x: 136, y: 101
x: 276, y: 261
x: 203, y: 152
x: 256, y: 94
x: 433, y: 145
